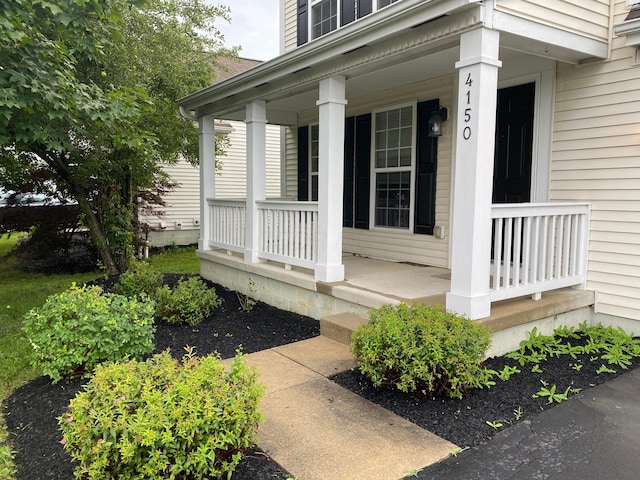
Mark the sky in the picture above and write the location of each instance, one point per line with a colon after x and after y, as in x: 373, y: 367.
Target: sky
x: 254, y: 26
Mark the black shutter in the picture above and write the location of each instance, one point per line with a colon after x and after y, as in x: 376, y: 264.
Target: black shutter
x: 303, y: 22
x: 426, y: 166
x: 349, y: 166
x: 303, y: 163
x: 364, y: 8
x: 347, y: 11
x: 362, y: 170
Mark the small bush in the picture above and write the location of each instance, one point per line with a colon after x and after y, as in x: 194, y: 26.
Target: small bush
x: 420, y: 349
x: 189, y: 302
x: 139, y: 280
x: 163, y: 419
x: 78, y: 329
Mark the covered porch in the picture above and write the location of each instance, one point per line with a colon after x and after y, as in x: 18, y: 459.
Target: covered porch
x: 370, y: 283
x: 449, y: 56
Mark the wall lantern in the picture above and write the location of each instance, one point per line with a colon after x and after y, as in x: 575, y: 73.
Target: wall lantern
x: 435, y: 122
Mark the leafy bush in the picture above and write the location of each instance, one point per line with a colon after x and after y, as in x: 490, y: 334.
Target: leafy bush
x: 163, y: 419
x: 139, y: 280
x: 188, y: 302
x: 421, y: 349
x: 78, y: 329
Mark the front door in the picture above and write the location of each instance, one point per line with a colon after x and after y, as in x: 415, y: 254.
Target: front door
x: 514, y: 144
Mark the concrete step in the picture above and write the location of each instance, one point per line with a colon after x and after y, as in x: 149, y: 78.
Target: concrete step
x: 338, y: 327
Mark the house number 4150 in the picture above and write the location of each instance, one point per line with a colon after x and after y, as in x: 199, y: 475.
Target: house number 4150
x: 466, y: 131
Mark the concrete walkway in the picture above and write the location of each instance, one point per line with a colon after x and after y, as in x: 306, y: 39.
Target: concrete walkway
x: 317, y: 430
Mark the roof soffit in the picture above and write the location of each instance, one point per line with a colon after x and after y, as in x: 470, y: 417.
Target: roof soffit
x: 358, y: 46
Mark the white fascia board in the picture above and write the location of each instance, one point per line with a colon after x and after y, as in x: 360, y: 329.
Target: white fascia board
x: 397, y: 17
x: 584, y: 46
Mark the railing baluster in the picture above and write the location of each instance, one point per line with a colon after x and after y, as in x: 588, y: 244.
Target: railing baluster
x: 538, y: 247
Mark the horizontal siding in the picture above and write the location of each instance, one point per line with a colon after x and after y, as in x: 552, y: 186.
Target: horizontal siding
x: 290, y: 25
x: 291, y: 165
x: 587, y: 17
x: 182, y: 204
x: 595, y: 158
x: 231, y: 180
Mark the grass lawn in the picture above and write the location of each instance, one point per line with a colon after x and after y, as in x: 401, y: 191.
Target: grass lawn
x: 20, y: 292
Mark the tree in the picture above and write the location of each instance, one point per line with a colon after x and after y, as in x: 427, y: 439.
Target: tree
x: 88, y: 92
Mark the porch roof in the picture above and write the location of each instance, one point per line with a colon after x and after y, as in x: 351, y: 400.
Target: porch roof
x: 420, y: 37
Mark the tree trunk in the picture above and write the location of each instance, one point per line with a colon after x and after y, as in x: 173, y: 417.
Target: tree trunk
x: 96, y: 233
x: 55, y: 160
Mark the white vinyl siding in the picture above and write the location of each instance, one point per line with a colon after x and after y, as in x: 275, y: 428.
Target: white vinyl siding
x: 231, y: 180
x: 181, y: 215
x: 587, y: 17
x: 290, y: 25
x: 595, y: 159
x: 291, y: 165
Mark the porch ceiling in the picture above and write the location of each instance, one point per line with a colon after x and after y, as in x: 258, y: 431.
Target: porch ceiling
x: 414, y: 41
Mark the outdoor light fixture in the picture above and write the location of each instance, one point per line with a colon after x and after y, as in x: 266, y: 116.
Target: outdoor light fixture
x: 435, y: 122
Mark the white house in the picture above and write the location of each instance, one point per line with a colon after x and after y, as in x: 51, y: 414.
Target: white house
x: 497, y: 140
x: 179, y: 222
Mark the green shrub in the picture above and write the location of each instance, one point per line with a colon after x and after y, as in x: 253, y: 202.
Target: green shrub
x: 138, y: 280
x: 163, y: 419
x: 420, y: 349
x: 189, y: 302
x: 79, y: 328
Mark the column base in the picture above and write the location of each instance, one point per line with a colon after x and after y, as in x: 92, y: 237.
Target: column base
x: 203, y: 245
x: 472, y: 307
x: 329, y: 273
x: 251, y: 256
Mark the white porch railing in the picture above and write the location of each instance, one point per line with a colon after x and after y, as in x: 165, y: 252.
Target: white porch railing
x: 227, y: 220
x: 538, y: 247
x: 288, y: 232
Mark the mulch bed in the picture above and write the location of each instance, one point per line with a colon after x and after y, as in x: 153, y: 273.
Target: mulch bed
x: 31, y: 411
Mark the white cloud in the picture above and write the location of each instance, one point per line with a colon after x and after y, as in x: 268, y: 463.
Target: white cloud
x: 255, y: 26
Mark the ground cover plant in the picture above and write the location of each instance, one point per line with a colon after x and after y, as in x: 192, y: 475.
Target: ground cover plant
x: 545, y: 371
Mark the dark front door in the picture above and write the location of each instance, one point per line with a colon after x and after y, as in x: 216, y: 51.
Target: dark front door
x: 514, y: 143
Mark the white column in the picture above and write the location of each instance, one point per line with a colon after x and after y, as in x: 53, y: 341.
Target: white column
x: 473, y: 174
x: 331, y: 103
x: 256, y: 121
x: 207, y: 176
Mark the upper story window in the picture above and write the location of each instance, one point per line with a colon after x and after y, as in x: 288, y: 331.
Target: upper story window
x: 319, y: 17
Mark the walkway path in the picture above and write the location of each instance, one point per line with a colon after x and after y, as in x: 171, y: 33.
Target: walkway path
x: 317, y: 430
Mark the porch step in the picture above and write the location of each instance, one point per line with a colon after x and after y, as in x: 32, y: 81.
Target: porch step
x: 338, y: 327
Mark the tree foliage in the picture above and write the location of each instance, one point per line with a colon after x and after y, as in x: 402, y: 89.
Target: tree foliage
x: 88, y: 92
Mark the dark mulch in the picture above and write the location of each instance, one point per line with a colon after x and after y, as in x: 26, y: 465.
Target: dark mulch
x: 463, y: 422
x: 31, y: 411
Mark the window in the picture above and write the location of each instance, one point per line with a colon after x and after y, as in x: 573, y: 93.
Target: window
x: 384, y: 3
x: 319, y: 17
x: 390, y: 168
x: 324, y: 17
x: 393, y: 167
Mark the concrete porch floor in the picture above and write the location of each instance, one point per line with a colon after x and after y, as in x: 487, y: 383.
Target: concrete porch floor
x: 370, y: 283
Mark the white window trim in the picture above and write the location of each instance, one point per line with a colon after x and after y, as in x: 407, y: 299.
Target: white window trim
x: 374, y: 171
x: 374, y: 9
x: 313, y: 3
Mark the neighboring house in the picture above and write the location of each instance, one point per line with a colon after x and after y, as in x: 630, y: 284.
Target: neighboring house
x: 179, y: 221
x: 497, y: 139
